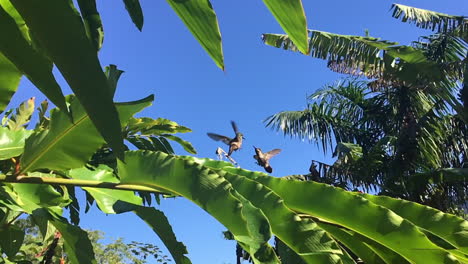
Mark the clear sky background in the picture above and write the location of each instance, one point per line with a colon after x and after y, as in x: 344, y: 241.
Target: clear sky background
x: 259, y: 81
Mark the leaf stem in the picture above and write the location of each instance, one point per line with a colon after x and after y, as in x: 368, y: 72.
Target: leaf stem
x: 79, y: 183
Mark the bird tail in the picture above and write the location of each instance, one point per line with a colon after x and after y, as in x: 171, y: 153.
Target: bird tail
x: 269, y: 169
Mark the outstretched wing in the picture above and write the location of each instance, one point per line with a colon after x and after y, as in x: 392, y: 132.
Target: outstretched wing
x: 234, y: 126
x: 217, y: 137
x: 272, y: 153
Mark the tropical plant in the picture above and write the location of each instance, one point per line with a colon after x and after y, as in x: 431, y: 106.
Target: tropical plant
x: 42, y: 168
x: 402, y: 133
x: 439, y: 59
x: 33, y: 42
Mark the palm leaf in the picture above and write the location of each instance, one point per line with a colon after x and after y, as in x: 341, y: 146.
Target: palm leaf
x: 344, y: 53
x: 427, y: 19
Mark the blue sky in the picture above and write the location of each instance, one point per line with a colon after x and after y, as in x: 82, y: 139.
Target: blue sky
x: 167, y: 61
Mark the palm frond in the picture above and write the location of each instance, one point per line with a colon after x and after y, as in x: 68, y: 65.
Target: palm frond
x: 362, y: 56
x: 355, y: 54
x: 427, y: 19
x: 317, y: 123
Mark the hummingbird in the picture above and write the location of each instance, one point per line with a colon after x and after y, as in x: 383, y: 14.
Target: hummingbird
x: 233, y: 143
x: 263, y: 159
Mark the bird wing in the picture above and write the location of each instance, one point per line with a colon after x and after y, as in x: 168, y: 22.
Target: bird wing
x: 217, y: 137
x: 272, y: 153
x: 234, y: 126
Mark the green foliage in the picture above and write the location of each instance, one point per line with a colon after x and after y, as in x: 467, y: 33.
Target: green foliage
x: 71, y: 46
x: 9, y: 81
x: 36, y: 246
x: 313, y: 222
x: 67, y: 45
x: 92, y: 22
x: 105, y: 199
x: 45, y: 147
x: 29, y: 61
x: 134, y: 10
x: 427, y: 19
x: 401, y: 133
x: 252, y: 205
x: 200, y: 18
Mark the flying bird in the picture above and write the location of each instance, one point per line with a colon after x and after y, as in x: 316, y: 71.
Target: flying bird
x: 263, y: 159
x: 233, y: 143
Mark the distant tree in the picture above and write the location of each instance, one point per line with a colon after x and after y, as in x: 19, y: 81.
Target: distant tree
x: 37, y: 250
x: 402, y: 132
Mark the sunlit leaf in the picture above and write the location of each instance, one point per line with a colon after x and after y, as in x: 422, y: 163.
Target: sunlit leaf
x: 12, y: 142
x: 56, y: 147
x: 92, y: 22
x: 61, y: 33
x: 200, y: 19
x: 205, y: 188
x: 290, y: 15
x: 105, y: 198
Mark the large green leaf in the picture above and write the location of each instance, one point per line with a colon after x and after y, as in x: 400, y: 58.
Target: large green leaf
x: 26, y: 59
x: 290, y: 15
x: 69, y: 145
x: 11, y: 239
x: 61, y: 33
x: 12, y: 142
x: 134, y: 10
x: 9, y: 81
x: 308, y: 240
x: 200, y: 19
x: 357, y: 214
x: 105, y: 198
x: 334, y: 205
x: 33, y: 196
x: 364, y: 247
x: 77, y: 245
x: 450, y: 228
x: 208, y: 190
x: 361, y: 249
x: 92, y: 22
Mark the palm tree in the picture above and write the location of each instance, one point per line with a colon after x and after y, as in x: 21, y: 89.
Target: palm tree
x: 402, y: 132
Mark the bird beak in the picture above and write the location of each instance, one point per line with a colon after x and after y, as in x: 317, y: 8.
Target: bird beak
x: 254, y: 147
